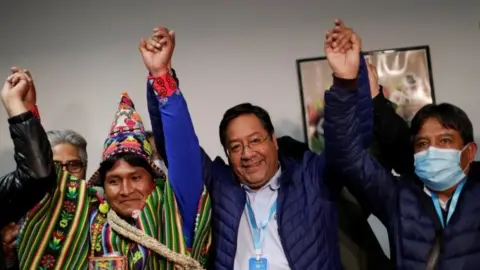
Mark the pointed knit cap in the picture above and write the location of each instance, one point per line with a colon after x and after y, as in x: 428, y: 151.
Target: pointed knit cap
x: 127, y: 135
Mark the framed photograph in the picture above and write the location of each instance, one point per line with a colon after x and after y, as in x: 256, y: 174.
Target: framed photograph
x: 404, y: 73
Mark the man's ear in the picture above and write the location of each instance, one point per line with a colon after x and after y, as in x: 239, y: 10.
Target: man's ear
x: 274, y: 139
x: 472, y: 151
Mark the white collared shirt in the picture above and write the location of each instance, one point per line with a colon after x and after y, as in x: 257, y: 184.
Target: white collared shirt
x: 261, y: 201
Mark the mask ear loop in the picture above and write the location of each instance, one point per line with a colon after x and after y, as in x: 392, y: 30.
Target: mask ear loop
x: 461, y: 152
x: 465, y: 147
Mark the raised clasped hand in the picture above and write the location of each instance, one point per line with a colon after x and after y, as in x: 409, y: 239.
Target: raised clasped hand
x: 342, y: 48
x: 16, y: 87
x: 31, y: 97
x: 157, y: 51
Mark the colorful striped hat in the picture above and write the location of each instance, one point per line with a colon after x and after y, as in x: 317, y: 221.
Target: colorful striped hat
x: 127, y: 135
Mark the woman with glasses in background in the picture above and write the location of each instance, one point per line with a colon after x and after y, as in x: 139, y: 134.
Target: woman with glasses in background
x: 69, y: 152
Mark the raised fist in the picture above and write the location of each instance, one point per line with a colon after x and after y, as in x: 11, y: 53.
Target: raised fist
x: 16, y: 87
x: 31, y: 98
x: 341, y: 35
x: 344, y: 62
x: 157, y: 51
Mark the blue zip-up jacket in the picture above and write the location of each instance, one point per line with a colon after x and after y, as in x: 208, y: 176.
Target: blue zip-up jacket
x: 184, y: 155
x: 417, y: 239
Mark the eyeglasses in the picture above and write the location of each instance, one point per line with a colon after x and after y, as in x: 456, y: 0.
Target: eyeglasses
x: 253, y: 144
x: 72, y: 166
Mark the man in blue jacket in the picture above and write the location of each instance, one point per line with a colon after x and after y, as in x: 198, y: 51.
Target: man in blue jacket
x: 432, y: 216
x: 267, y: 210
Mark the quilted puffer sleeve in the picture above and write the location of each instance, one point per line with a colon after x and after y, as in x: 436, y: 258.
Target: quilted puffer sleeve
x: 372, y: 185
x: 364, y: 106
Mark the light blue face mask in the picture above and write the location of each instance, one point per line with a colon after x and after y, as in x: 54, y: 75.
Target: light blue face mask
x: 438, y: 168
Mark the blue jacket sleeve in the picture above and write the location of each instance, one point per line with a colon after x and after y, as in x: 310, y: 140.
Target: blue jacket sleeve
x: 372, y: 185
x: 184, y: 154
x: 156, y: 119
x: 156, y: 122
x: 365, y: 104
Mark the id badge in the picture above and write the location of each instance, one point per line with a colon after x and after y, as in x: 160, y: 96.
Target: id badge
x: 108, y: 263
x: 260, y: 264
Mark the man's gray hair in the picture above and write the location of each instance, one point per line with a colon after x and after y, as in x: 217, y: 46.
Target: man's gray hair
x: 57, y: 137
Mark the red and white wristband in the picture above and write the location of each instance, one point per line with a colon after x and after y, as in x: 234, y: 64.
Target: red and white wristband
x: 164, y: 85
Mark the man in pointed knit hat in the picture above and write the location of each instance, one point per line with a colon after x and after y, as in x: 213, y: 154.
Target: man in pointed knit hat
x: 140, y: 223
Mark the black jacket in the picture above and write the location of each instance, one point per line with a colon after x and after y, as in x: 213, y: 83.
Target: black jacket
x: 391, y: 144
x: 34, y: 176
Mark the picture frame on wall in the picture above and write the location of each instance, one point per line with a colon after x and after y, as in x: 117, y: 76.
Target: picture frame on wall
x: 404, y: 73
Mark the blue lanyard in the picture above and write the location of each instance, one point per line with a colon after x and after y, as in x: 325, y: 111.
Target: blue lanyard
x: 451, y: 208
x: 259, y: 232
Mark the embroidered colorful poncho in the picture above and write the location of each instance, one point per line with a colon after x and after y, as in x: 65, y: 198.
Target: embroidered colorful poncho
x: 70, y: 226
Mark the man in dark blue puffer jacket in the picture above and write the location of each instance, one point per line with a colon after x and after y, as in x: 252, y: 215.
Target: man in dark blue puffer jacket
x: 432, y: 216
x: 292, y: 202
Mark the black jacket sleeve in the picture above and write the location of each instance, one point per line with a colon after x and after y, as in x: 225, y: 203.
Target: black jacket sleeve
x: 34, y: 176
x: 289, y: 147
x: 392, y: 144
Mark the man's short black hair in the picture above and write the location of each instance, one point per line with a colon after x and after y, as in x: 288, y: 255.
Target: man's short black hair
x: 242, y: 109
x: 450, y: 116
